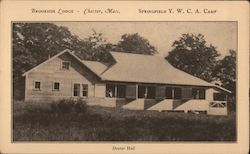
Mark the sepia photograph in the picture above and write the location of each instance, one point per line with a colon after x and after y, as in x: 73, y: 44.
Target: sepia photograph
x: 138, y: 81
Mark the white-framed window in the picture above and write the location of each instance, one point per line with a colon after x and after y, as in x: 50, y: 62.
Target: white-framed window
x: 56, y: 86
x: 85, y: 90
x: 76, y: 89
x: 65, y: 65
x: 37, y: 85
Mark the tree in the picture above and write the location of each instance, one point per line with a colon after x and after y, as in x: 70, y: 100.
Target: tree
x: 225, y: 71
x: 95, y: 48
x: 192, y: 54
x: 134, y: 43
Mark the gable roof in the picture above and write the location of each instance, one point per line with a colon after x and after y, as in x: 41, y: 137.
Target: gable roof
x: 46, y: 61
x: 139, y: 68
x: 95, y: 66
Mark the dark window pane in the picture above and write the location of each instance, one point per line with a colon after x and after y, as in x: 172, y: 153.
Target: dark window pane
x: 56, y: 86
x: 84, y: 90
x: 142, y: 92
x: 177, y: 93
x: 110, y: 90
x: 37, y: 85
x: 169, y: 92
x: 121, y: 91
x: 202, y: 94
x: 65, y: 65
x: 131, y: 91
x: 76, y: 90
x: 151, y: 92
x: 219, y: 97
x: 195, y: 93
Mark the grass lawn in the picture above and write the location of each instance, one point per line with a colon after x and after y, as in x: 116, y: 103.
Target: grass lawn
x: 38, y: 122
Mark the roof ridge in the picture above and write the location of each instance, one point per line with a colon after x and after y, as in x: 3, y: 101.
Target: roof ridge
x: 121, y: 52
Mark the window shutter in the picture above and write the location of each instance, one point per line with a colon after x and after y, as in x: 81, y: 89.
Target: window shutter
x: 186, y: 93
x: 160, y: 92
x: 131, y: 91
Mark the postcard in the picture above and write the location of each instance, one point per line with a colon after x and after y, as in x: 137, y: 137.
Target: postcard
x: 124, y: 77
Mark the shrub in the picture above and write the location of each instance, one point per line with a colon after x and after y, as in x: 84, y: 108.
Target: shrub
x: 68, y: 106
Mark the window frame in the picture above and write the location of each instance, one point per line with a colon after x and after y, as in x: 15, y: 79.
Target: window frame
x: 34, y: 85
x: 65, y: 62
x: 54, y: 86
x: 79, y: 92
x: 86, y: 89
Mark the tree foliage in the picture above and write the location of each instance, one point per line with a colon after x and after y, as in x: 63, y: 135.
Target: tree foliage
x: 95, y: 47
x: 134, y: 43
x: 225, y: 71
x: 192, y: 54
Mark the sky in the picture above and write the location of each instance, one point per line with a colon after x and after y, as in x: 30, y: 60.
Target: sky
x: 222, y: 35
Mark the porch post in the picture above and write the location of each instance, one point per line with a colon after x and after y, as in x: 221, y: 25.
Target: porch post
x: 115, y: 90
x: 172, y: 92
x: 136, y: 91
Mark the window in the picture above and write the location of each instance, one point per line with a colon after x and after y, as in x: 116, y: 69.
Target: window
x: 37, y: 85
x: 110, y: 90
x: 169, y: 92
x: 198, y: 93
x: 177, y: 93
x: 219, y: 97
x: 65, y: 65
x: 151, y: 92
x: 142, y: 93
x: 76, y: 91
x: 202, y: 94
x: 146, y: 92
x: 121, y: 91
x: 84, y: 90
x: 56, y: 86
x: 186, y: 93
x: 131, y: 91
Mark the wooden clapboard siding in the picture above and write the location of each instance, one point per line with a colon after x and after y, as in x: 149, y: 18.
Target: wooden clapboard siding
x: 51, y: 72
x: 100, y: 90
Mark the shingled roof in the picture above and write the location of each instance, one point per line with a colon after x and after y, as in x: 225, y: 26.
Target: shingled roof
x: 147, y: 69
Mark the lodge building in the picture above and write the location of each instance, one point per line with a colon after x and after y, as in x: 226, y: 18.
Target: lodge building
x: 133, y: 81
